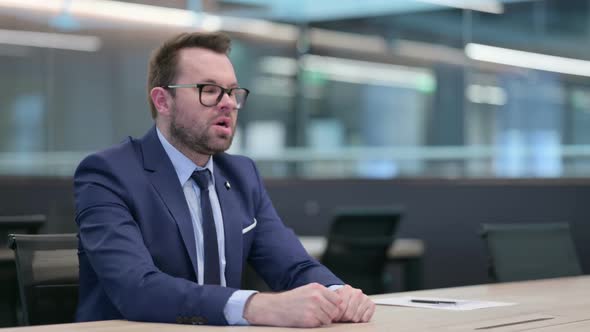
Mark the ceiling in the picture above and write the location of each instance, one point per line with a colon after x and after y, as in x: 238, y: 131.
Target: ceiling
x: 548, y: 26
x: 297, y: 11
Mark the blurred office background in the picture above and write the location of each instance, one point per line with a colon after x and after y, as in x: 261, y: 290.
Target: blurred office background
x: 462, y: 112
x: 340, y: 89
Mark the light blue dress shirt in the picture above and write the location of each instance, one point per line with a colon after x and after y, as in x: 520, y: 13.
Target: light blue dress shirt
x: 184, y: 167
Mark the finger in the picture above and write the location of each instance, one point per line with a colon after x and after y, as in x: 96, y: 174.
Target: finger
x: 345, y: 296
x: 333, y: 296
x: 330, y: 309
x: 364, y: 305
x: 343, y: 308
x: 320, y: 303
x: 360, y: 306
x: 311, y: 320
x: 323, y: 317
x: 350, y: 310
x: 353, y: 305
x: 327, y: 299
x: 369, y: 313
x: 317, y: 311
x: 345, y: 293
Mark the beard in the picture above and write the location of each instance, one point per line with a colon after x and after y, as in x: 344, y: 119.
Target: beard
x: 198, y: 139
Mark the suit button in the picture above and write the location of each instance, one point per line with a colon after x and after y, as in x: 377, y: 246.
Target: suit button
x: 198, y: 320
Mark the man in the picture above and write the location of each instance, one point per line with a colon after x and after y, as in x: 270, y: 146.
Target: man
x: 167, y: 222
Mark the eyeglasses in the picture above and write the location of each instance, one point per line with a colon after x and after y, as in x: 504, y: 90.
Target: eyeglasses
x: 211, y: 94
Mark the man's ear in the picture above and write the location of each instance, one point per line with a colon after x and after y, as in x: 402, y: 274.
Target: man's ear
x: 162, y: 100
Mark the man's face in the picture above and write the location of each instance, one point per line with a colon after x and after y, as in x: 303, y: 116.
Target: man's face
x: 204, y: 130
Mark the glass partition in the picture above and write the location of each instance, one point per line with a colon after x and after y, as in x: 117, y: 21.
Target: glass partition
x: 406, y: 89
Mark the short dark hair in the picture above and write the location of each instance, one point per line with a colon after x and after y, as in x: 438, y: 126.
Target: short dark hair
x: 164, y: 60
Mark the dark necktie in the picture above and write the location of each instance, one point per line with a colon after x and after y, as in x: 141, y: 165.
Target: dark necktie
x: 211, y: 264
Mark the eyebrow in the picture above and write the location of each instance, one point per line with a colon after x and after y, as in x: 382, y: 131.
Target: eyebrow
x: 233, y: 85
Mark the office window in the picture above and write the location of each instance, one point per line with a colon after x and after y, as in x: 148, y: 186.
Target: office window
x: 381, y: 90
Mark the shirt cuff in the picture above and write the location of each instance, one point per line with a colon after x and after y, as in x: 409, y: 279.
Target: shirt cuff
x: 335, y: 287
x: 234, y: 308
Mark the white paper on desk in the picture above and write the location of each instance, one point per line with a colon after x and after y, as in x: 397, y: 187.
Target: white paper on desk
x: 406, y: 301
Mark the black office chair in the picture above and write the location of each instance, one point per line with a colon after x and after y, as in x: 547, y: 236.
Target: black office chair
x: 530, y: 251
x: 47, y: 273
x: 22, y: 223
x: 357, y: 248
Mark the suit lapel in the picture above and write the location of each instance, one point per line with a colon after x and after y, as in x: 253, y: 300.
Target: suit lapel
x: 164, y: 179
x: 232, y: 228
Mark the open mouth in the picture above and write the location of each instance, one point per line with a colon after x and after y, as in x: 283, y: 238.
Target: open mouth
x: 223, y: 126
x: 222, y: 123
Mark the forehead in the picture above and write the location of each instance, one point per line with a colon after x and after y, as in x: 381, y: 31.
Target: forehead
x: 199, y: 64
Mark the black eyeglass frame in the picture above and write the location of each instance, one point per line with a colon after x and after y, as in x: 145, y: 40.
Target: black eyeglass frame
x: 200, y: 86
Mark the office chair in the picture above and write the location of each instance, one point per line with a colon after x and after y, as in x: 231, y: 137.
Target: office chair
x: 29, y: 224
x: 530, y: 251
x: 26, y: 223
x: 357, y: 247
x: 47, y: 273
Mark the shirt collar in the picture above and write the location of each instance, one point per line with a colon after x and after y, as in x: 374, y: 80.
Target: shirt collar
x: 183, y: 166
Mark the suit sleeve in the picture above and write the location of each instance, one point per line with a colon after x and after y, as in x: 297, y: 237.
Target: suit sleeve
x: 111, y: 239
x: 277, y: 254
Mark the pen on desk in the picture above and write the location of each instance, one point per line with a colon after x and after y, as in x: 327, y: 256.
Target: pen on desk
x: 432, y: 301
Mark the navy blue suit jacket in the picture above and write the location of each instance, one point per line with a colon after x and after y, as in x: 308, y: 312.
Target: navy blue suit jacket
x: 137, y: 247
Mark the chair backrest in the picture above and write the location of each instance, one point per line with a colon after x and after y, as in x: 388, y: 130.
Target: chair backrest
x: 29, y: 224
x: 47, y: 273
x: 530, y: 251
x: 358, y: 242
x: 25, y: 223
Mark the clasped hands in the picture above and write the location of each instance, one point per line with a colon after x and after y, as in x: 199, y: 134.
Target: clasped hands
x: 312, y: 305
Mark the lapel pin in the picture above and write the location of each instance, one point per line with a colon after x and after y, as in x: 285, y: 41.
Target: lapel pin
x: 227, y: 185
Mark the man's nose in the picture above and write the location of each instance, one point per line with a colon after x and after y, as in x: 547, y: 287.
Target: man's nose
x: 227, y: 102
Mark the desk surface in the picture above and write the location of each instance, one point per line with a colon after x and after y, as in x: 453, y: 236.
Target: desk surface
x: 565, y: 300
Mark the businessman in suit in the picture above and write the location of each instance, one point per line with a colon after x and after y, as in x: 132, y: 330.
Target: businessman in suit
x: 167, y: 222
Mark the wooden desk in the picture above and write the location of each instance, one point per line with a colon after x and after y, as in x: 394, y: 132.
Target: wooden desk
x: 567, y: 300
x: 408, y: 252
